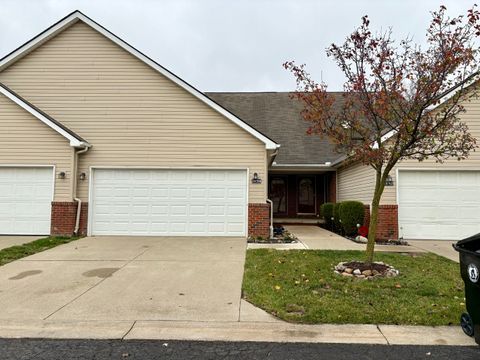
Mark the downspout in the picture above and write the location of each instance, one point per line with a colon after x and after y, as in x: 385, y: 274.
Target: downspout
x: 271, y: 217
x: 79, y: 202
x: 274, y: 154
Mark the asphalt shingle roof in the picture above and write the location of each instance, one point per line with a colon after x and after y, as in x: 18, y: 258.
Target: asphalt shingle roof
x: 278, y: 116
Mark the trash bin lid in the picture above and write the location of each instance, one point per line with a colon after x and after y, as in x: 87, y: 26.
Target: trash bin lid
x: 470, y: 244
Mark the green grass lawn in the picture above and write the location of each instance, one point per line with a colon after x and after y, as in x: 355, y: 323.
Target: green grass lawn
x: 300, y: 286
x: 19, y: 251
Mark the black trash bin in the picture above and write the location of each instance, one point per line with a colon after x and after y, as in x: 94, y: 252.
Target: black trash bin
x: 469, y: 250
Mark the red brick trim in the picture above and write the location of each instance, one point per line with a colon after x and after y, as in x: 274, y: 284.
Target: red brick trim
x: 387, y: 227
x: 259, y: 220
x: 63, y: 218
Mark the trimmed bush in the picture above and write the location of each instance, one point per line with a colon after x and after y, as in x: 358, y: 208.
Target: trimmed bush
x: 351, y: 213
x: 327, y: 213
x: 336, y: 218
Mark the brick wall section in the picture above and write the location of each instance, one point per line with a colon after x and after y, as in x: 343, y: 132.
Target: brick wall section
x: 259, y: 220
x: 63, y: 218
x: 387, y: 227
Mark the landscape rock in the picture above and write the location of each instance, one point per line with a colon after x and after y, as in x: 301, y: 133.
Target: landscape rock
x: 340, y: 267
x: 361, y: 270
x: 361, y: 239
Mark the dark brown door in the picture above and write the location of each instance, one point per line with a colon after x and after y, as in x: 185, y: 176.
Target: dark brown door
x: 278, y: 194
x: 306, y: 195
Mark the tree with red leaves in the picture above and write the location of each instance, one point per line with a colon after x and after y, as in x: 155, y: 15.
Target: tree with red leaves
x: 401, y: 101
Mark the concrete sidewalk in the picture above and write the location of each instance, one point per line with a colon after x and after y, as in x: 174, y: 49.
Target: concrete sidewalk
x: 236, y: 331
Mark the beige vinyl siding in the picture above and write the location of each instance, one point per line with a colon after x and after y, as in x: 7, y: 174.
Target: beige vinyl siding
x: 354, y: 182
x: 131, y: 114
x: 358, y: 180
x: 25, y: 140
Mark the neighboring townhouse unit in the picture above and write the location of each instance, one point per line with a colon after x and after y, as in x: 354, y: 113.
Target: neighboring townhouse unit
x: 97, y: 138
x: 155, y: 157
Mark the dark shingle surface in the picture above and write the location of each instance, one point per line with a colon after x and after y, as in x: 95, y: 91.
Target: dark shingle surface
x: 278, y: 116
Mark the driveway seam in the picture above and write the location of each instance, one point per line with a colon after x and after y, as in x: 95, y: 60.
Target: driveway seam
x: 380, y: 330
x: 94, y: 286
x: 128, y: 331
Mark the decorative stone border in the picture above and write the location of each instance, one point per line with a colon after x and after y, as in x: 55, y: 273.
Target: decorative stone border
x: 360, y: 270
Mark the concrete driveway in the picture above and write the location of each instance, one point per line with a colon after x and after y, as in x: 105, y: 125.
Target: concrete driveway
x: 127, y: 278
x: 7, y: 241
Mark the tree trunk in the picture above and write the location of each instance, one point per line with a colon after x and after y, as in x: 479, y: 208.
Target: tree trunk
x: 372, y: 228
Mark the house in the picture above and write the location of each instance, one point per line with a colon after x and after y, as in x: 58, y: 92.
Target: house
x: 97, y: 138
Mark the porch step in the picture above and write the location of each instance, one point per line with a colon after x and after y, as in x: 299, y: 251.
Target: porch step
x: 298, y: 221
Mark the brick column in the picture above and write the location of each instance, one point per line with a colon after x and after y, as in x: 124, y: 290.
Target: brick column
x: 259, y: 220
x: 63, y: 218
x: 387, y: 226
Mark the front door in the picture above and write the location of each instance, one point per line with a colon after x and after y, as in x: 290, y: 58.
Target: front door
x: 306, y: 195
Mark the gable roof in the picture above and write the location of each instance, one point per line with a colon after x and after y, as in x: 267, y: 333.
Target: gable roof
x: 76, y: 16
x: 279, y: 116
x: 75, y: 140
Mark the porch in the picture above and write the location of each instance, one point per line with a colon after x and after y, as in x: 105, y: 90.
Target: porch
x: 297, y: 197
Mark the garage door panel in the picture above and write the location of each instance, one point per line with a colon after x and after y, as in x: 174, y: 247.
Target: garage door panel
x: 26, y: 194
x: 439, y: 204
x: 169, y: 202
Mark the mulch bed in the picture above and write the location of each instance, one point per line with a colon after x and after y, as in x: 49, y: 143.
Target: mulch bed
x: 381, y: 268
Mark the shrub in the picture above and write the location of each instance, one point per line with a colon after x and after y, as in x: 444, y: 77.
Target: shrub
x: 337, y: 222
x: 327, y: 213
x: 351, y: 213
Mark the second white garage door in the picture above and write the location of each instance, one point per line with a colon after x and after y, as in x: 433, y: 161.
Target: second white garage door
x: 168, y: 202
x: 442, y: 205
x: 26, y: 195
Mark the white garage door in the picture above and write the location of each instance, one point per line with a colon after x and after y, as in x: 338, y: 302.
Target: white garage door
x: 439, y: 204
x: 169, y: 202
x: 26, y: 196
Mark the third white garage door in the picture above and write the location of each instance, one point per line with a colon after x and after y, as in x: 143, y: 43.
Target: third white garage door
x: 168, y: 202
x: 442, y: 205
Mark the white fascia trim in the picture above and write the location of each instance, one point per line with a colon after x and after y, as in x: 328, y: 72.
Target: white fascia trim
x: 274, y: 164
x: 75, y: 16
x: 384, y: 138
x: 74, y: 142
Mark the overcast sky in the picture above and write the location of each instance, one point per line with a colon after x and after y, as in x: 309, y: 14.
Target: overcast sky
x: 229, y: 45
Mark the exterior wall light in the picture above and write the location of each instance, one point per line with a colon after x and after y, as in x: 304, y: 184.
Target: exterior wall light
x: 256, y: 179
x: 389, y: 181
x: 82, y: 176
x: 62, y: 175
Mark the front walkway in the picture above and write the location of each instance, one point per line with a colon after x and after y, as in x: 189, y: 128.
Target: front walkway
x: 317, y: 238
